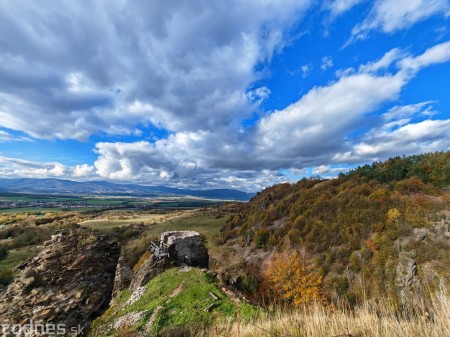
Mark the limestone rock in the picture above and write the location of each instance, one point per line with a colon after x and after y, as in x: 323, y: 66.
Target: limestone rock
x: 406, y: 279
x: 149, y: 269
x: 186, y: 248
x: 123, y: 277
x: 69, y: 282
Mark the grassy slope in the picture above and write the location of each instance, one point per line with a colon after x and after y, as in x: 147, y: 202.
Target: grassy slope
x: 184, y: 309
x: 370, y: 319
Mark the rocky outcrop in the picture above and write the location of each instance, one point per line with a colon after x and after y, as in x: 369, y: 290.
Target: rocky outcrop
x: 68, y: 283
x: 406, y: 279
x: 123, y: 277
x: 149, y: 269
x: 186, y: 248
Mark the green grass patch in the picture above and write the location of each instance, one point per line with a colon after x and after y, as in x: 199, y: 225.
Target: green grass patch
x: 15, y: 257
x: 183, y: 297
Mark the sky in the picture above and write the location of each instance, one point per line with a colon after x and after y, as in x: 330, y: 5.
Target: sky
x: 209, y: 94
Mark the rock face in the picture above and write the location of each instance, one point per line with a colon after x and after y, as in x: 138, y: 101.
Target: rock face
x: 186, y: 248
x: 68, y: 283
x: 149, y: 269
x: 406, y: 279
x: 123, y: 277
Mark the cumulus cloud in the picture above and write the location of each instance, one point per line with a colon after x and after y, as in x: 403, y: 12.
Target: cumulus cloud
x: 404, y: 130
x: 391, y: 139
x: 83, y: 171
x: 161, y: 163
x: 312, y: 132
x: 69, y: 65
x: 393, y: 15
x: 13, y: 167
x: 194, y: 82
x: 316, y: 127
x: 327, y: 169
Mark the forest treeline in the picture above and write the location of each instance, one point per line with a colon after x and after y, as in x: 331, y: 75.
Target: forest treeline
x: 353, y: 228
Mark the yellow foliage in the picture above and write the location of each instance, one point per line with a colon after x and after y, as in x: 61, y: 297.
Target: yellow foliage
x: 393, y: 215
x: 292, y: 278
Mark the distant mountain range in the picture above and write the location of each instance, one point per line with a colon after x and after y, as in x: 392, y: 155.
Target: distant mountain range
x: 59, y: 186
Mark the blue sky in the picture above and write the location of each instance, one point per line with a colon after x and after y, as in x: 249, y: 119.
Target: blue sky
x: 213, y: 94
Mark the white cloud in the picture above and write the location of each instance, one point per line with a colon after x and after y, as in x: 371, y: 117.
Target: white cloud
x: 327, y: 62
x: 309, y: 133
x: 258, y: 95
x: 339, y: 7
x: 406, y: 111
x: 316, y: 127
x: 313, y: 132
x: 190, y: 65
x: 7, y: 137
x: 380, y: 143
x: 384, y: 62
x: 393, y: 15
x: 83, y: 171
x: 404, y: 130
x: 437, y: 54
x: 170, y: 163
x: 13, y: 167
x: 305, y: 70
x: 328, y: 169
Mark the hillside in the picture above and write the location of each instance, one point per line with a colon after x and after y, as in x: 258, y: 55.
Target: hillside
x: 174, y: 301
x: 380, y: 229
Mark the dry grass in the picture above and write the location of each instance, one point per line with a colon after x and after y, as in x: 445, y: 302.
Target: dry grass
x: 369, y: 319
x: 108, y: 220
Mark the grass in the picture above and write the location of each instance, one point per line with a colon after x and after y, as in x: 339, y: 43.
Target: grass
x: 182, y: 296
x: 194, y: 221
x: 31, y: 210
x: 206, y: 223
x: 13, y: 258
x: 104, y: 223
x: 380, y: 318
x: 16, y: 256
x: 370, y: 319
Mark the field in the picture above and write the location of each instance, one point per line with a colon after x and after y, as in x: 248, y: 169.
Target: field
x: 36, y: 203
x: 108, y: 220
x: 23, y: 229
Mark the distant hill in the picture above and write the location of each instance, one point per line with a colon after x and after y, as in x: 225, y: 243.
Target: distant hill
x: 60, y: 186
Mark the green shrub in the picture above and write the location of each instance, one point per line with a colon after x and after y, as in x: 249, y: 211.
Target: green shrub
x: 261, y: 238
x: 6, y: 276
x: 3, y: 252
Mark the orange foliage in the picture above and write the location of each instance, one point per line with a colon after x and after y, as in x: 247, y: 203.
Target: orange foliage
x: 372, y: 246
x: 291, y: 277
